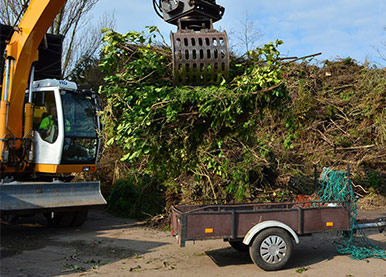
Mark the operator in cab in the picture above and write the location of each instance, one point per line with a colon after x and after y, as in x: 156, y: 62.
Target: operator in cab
x: 48, y: 128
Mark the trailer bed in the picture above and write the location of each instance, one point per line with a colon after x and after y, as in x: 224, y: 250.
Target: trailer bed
x: 233, y: 221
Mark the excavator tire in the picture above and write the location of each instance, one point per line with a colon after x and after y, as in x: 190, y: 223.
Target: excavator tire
x: 79, y: 218
x: 60, y: 219
x: 66, y: 219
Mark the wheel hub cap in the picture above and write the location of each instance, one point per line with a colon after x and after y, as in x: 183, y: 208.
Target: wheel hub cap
x: 273, y: 249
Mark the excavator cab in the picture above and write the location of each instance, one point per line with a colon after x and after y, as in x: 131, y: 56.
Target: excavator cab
x: 200, y: 53
x: 67, y: 132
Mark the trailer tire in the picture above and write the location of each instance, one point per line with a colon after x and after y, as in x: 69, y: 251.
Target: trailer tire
x: 239, y: 245
x: 271, y: 249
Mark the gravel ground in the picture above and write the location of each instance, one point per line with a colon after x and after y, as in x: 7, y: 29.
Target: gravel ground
x: 110, y: 246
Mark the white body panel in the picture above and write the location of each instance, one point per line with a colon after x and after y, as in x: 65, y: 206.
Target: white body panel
x: 53, y: 83
x: 45, y: 152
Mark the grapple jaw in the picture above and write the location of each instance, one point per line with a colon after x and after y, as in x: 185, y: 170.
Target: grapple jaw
x: 200, y: 57
x: 200, y: 53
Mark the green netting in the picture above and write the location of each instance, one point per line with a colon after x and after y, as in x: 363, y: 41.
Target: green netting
x: 336, y: 186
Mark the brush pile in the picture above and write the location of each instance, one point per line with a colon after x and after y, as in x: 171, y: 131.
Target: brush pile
x: 255, y: 136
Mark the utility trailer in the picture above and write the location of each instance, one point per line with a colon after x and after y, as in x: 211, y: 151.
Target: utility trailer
x: 266, y: 230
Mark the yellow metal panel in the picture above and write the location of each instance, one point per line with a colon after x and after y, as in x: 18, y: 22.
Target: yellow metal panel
x: 3, y: 129
x: 23, y: 49
x: 54, y: 168
x: 28, y: 114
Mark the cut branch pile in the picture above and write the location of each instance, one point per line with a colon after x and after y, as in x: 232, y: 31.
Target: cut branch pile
x: 255, y: 136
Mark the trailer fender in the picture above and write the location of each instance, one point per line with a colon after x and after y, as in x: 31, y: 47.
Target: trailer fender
x: 268, y: 224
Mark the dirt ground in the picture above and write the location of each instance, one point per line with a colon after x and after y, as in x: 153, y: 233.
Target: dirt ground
x: 109, y: 246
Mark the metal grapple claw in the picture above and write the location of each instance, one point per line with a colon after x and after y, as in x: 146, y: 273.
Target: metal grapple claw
x: 200, y: 53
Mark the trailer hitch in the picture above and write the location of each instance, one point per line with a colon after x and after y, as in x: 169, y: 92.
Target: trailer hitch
x: 380, y: 225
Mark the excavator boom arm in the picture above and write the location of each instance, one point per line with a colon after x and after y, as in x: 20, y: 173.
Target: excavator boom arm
x: 21, y: 52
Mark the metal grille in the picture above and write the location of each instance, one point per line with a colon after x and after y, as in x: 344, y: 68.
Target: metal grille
x: 200, y: 58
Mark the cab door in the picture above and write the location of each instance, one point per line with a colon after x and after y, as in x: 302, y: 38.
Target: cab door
x: 48, y: 127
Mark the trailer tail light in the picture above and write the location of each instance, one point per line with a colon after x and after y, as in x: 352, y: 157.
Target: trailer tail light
x: 330, y: 224
x: 208, y: 230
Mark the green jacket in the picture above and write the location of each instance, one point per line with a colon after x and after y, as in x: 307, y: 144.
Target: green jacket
x: 48, y: 121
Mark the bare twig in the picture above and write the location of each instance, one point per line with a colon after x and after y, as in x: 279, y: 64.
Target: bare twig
x: 356, y: 147
x: 294, y: 59
x: 337, y: 126
x: 325, y: 138
x: 359, y: 186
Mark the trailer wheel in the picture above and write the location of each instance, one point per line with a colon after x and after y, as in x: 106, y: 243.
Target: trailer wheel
x: 271, y: 249
x: 239, y: 245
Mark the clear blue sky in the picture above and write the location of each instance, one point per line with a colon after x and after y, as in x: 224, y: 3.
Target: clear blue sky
x: 339, y: 28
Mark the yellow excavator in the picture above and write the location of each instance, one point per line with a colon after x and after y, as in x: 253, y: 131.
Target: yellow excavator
x: 49, y: 129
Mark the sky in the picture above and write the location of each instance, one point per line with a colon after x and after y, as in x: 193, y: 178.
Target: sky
x: 337, y: 28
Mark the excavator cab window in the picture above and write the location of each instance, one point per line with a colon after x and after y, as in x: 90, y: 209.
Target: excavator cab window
x: 80, y: 128
x: 45, y: 115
